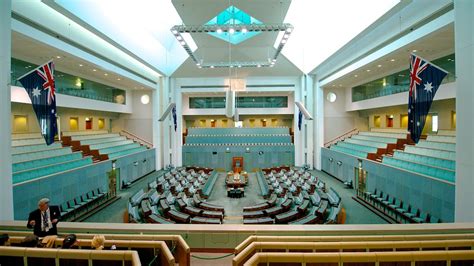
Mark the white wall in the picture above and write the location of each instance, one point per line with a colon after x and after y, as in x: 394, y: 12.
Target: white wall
x: 337, y: 120
x: 139, y: 122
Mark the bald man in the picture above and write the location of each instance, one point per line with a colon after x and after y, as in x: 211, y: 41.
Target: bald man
x: 44, y: 219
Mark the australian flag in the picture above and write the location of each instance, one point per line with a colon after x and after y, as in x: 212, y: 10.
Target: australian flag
x: 300, y: 120
x: 173, y: 112
x: 425, y: 79
x: 39, y: 83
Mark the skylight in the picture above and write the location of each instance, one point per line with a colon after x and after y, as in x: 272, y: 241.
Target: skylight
x: 233, y: 16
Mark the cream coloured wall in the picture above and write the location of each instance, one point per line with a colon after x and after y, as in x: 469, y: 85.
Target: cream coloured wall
x: 336, y: 120
x: 443, y: 108
x: 64, y: 115
x: 272, y: 121
x: 139, y: 122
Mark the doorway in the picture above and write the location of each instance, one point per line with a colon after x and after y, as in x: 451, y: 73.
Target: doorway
x: 112, y: 175
x: 361, y: 178
x: 88, y: 123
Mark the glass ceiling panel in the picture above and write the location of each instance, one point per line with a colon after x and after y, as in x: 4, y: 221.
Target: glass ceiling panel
x: 233, y: 16
x: 141, y: 26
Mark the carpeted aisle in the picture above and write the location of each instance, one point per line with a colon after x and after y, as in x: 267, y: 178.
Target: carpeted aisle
x: 355, y: 213
x: 233, y: 206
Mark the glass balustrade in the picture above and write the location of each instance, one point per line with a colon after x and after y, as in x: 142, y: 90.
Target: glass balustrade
x: 72, y: 85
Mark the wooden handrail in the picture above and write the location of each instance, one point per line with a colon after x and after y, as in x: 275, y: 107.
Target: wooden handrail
x: 360, y: 246
x: 348, y: 238
x: 268, y: 258
x: 341, y: 137
x: 136, y: 138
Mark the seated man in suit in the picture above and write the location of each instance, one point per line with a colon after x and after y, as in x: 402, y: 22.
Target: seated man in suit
x: 44, y: 219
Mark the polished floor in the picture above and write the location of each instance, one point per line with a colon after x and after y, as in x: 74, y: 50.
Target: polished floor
x: 355, y: 213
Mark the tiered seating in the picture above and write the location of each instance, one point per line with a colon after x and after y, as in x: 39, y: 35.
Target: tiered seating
x: 445, y: 174
x: 321, y: 250
x: 176, y: 198
x: 32, y: 158
x: 371, y: 144
x: 441, y: 138
x: 101, y: 144
x: 447, y: 146
x: 396, y: 208
x: 443, y: 154
x: 432, y: 161
x: 296, y: 198
x: 46, y: 170
x: 433, y: 157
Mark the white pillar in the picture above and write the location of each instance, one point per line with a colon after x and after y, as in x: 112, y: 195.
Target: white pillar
x: 6, y: 189
x: 309, y: 136
x: 464, y: 51
x: 165, y: 125
x: 178, y: 134
x: 298, y: 135
x: 318, y: 123
x: 157, y: 125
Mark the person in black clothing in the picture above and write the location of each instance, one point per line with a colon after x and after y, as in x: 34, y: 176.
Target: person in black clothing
x: 44, y: 219
x: 4, y: 239
x: 70, y: 242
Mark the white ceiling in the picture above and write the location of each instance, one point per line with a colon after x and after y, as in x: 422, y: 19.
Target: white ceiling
x: 432, y: 46
x: 30, y: 50
x: 213, y: 50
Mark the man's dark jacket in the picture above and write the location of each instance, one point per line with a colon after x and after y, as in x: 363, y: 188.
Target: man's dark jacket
x: 36, y: 216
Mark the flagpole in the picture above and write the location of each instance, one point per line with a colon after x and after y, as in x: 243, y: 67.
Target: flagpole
x: 431, y: 63
x: 34, y: 69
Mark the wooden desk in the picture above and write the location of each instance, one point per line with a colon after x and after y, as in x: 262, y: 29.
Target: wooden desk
x: 155, y: 219
x: 179, y: 216
x: 192, y: 211
x: 286, y: 217
x: 236, y: 180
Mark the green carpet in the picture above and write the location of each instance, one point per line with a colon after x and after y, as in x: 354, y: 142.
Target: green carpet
x: 355, y: 213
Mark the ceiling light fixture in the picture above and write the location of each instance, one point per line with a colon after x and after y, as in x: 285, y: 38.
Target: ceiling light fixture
x: 118, y: 79
x: 80, y: 65
x: 105, y: 74
x: 58, y: 57
x: 259, y: 65
x: 379, y: 65
x: 368, y: 70
x: 392, y: 60
x: 414, y: 50
x: 94, y: 70
x: 286, y: 28
x: 355, y: 76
